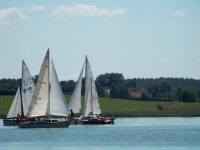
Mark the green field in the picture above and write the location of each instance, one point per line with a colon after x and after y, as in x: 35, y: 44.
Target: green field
x: 129, y: 108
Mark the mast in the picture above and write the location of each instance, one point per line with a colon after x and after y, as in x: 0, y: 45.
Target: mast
x: 91, y: 96
x: 49, y: 82
x: 85, y: 77
x: 20, y: 93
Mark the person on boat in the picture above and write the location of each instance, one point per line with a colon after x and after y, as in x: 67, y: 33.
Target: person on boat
x: 18, y: 117
x: 72, y: 114
x: 33, y: 119
x: 105, y: 119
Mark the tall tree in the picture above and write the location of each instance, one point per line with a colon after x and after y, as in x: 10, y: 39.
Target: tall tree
x: 188, y: 95
x: 109, y: 79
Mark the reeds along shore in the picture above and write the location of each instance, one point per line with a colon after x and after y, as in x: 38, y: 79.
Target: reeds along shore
x: 129, y: 108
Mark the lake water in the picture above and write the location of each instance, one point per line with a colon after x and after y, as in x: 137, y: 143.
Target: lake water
x: 126, y: 133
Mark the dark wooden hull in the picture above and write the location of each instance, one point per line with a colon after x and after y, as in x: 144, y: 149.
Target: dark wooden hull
x: 46, y: 124
x: 10, y: 122
x: 90, y: 120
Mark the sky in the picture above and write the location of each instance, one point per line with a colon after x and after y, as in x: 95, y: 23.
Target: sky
x: 138, y: 38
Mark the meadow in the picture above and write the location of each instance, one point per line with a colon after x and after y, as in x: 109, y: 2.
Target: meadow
x: 129, y: 108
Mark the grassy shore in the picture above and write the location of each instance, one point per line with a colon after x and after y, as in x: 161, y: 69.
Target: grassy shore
x: 129, y: 108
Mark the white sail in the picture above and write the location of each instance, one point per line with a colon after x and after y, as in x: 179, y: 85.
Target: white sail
x: 28, y: 88
x: 91, y: 96
x: 16, y: 106
x: 75, y: 101
x: 58, y: 106
x: 88, y: 76
x: 40, y: 98
x: 87, y: 110
x: 95, y: 99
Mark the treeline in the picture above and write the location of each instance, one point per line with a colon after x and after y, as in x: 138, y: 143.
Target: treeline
x: 162, y: 89
x: 9, y: 86
x: 114, y: 85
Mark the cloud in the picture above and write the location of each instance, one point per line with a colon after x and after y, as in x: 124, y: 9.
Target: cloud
x: 83, y: 10
x: 178, y: 13
x: 12, y: 13
x: 37, y: 8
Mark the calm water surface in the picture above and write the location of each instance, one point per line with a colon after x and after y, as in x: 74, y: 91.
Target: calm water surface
x: 126, y: 133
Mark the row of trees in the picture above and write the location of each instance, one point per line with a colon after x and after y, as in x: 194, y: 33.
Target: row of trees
x: 165, y: 89
x: 115, y: 86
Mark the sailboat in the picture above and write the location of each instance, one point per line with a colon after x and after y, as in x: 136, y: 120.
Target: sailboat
x: 48, y: 107
x: 91, y: 113
x: 22, y: 100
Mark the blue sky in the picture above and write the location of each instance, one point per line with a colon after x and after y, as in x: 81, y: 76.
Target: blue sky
x: 138, y: 38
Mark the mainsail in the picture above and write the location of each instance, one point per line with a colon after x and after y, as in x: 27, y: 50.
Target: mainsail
x: 40, y: 98
x: 75, y: 101
x: 91, y: 96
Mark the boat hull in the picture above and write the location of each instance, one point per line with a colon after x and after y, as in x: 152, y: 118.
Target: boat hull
x: 10, y: 122
x: 50, y: 124
x: 89, y: 120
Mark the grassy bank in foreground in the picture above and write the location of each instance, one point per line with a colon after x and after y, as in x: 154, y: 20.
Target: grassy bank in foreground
x: 129, y: 108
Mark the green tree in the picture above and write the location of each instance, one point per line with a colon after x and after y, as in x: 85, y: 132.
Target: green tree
x: 155, y: 91
x: 123, y: 92
x: 144, y: 96
x: 114, y: 92
x: 109, y: 79
x: 130, y: 83
x: 188, y: 95
x: 178, y: 93
x: 161, y: 89
x: 164, y: 89
x: 68, y: 86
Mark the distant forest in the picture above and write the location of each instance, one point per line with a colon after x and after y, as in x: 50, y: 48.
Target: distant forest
x: 114, y: 85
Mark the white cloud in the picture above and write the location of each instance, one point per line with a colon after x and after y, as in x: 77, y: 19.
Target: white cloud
x: 9, y: 14
x: 37, y: 8
x: 178, y: 13
x: 83, y: 10
x: 12, y: 13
